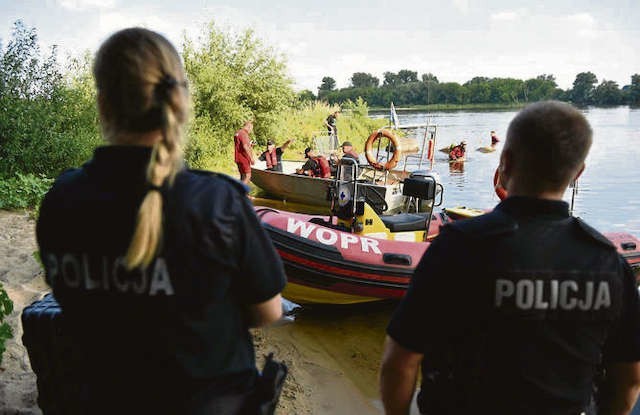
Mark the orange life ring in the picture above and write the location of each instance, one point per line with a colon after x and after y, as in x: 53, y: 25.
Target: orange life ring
x: 497, y: 186
x: 368, y: 148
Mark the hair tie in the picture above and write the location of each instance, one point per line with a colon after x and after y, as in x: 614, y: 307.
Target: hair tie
x: 153, y: 187
x: 164, y: 86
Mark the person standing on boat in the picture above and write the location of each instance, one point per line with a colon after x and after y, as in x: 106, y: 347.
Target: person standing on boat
x: 494, y: 138
x: 332, y: 123
x: 273, y: 155
x: 160, y: 271
x: 540, y: 302
x: 348, y: 151
x: 243, y: 151
x: 332, y: 128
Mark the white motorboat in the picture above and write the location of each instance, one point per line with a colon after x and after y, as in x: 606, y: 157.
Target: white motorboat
x: 384, y: 196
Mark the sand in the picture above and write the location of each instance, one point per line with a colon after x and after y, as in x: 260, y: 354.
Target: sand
x: 331, y: 369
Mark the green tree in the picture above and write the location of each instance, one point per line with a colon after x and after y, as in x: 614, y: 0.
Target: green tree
x: 540, y: 88
x: 47, y: 120
x: 328, y: 84
x: 607, y: 93
x: 390, y: 79
x: 364, y: 80
x: 478, y: 90
x: 306, y: 96
x: 429, y: 77
x: 449, y: 93
x: 232, y: 78
x: 634, y: 90
x: 406, y: 76
x: 583, y: 88
x: 505, y: 90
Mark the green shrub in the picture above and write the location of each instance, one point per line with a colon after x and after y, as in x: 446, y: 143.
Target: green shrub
x: 307, y: 121
x: 23, y: 191
x: 232, y: 78
x: 6, y: 308
x: 48, y: 121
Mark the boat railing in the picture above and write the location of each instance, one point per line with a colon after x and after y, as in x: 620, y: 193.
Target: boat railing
x: 325, y: 144
x: 429, y: 141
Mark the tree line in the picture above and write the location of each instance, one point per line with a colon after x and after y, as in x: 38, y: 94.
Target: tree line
x: 49, y: 118
x: 405, y: 88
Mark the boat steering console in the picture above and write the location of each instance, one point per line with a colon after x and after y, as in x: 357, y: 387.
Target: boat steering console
x: 350, y: 196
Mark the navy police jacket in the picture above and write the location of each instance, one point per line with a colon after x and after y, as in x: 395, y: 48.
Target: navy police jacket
x: 162, y: 335
x: 516, y: 310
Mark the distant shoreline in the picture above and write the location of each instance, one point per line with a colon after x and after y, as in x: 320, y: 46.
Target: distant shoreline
x: 480, y: 107
x: 451, y: 107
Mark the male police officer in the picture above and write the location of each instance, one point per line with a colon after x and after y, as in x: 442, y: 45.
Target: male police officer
x: 539, y: 303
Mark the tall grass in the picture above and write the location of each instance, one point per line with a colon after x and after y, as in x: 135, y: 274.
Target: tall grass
x: 303, y: 123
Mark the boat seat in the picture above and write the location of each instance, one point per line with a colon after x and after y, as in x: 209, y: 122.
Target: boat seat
x: 406, y: 222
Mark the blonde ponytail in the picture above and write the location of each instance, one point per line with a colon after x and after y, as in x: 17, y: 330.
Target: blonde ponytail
x: 166, y: 160
x: 148, y: 232
x: 141, y: 85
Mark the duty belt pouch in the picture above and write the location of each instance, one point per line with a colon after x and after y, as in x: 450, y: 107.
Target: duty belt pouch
x: 269, y: 386
x: 53, y: 358
x: 437, y: 394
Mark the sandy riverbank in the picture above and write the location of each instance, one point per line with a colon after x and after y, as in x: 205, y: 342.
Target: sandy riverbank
x: 331, y: 370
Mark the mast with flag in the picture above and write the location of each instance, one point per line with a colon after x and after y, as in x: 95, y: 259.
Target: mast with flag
x: 393, y: 117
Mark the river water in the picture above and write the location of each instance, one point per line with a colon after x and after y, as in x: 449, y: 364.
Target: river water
x: 607, y: 198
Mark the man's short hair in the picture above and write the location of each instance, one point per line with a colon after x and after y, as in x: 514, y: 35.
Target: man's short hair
x: 548, y: 142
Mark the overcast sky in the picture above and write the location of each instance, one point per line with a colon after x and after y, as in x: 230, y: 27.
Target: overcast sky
x: 453, y: 39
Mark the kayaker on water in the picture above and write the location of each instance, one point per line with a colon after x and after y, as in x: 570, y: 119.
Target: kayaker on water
x: 458, y: 152
x: 494, y: 138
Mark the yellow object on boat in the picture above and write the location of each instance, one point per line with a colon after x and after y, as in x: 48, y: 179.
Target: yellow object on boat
x: 464, y: 212
x: 309, y: 295
x: 291, y: 206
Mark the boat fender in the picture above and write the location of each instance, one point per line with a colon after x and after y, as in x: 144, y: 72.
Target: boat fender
x: 497, y: 186
x: 592, y: 233
x: 368, y: 148
x: 490, y: 224
x: 430, y: 149
x: 344, y: 194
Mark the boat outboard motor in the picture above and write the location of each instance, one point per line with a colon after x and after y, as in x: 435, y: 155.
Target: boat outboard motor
x: 420, y: 188
x: 348, y: 202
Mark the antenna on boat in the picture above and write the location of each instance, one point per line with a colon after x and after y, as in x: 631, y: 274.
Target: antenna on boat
x: 574, y: 190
